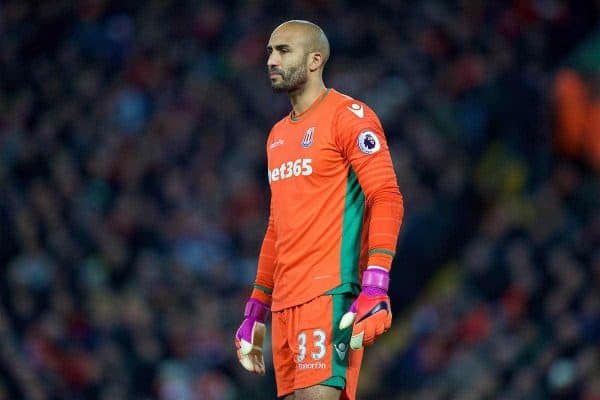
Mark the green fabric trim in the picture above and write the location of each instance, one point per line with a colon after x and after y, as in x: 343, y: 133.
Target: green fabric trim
x: 383, y: 251
x: 335, y: 381
x: 351, y: 229
x: 340, y: 338
x: 345, y: 288
x: 263, y: 289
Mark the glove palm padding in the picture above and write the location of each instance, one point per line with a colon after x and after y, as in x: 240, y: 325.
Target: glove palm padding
x: 250, y: 337
x: 250, y: 353
x: 370, y: 316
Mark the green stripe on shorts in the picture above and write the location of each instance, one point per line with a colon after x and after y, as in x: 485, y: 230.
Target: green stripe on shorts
x: 340, y: 342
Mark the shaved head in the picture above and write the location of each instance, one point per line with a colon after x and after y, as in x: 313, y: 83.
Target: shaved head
x: 298, y: 51
x: 310, y: 35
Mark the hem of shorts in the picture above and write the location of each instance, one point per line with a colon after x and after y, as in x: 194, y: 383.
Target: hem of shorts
x: 321, y: 383
x: 340, y: 386
x: 281, y: 396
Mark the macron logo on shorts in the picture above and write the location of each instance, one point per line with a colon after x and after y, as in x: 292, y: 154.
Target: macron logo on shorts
x: 341, y: 350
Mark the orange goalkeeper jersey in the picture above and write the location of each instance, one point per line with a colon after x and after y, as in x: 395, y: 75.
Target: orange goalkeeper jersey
x: 335, y: 203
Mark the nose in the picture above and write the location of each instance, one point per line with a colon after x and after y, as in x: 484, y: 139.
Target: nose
x: 273, y: 61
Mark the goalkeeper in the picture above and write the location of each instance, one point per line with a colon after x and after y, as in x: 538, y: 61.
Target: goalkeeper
x: 323, y: 268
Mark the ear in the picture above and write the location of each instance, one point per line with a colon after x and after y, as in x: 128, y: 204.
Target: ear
x: 315, y: 61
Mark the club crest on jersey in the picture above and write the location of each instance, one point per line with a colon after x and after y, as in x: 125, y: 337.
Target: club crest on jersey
x: 307, y: 139
x: 368, y: 142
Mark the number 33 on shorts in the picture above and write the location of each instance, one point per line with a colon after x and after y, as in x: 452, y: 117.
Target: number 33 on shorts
x: 308, y: 347
x: 318, y: 347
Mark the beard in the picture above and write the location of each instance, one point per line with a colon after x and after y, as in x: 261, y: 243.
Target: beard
x: 292, y: 79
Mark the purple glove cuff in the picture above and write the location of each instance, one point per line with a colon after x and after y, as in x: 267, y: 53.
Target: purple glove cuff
x: 375, y: 280
x: 256, y: 310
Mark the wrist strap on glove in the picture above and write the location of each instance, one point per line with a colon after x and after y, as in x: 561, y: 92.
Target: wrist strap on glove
x: 376, y: 281
x: 257, y: 310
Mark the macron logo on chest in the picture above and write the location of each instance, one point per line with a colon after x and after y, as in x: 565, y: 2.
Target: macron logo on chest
x: 357, y: 110
x: 275, y: 144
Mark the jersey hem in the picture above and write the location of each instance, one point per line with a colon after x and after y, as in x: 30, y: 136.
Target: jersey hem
x: 347, y: 287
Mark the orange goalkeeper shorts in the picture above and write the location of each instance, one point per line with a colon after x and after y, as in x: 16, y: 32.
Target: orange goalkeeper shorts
x: 309, y: 349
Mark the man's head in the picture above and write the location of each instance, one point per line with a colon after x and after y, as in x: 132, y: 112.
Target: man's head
x: 298, y: 51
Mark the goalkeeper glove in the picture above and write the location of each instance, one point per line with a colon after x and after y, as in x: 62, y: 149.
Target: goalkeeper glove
x: 370, y: 314
x: 250, y: 336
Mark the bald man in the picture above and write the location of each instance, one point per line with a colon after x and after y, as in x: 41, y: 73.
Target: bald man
x: 336, y: 209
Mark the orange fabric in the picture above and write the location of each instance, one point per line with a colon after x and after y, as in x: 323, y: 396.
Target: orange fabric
x: 377, y: 178
x: 266, y: 259
x: 352, y: 374
x: 309, y: 160
x: 307, y: 330
x: 570, y: 104
x: 261, y: 295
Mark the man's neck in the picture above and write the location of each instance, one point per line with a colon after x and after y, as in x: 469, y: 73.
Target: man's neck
x: 302, y: 100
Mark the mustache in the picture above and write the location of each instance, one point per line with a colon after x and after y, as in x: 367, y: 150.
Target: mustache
x: 275, y: 70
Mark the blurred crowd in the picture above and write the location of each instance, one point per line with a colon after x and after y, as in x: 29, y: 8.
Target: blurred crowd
x: 134, y: 198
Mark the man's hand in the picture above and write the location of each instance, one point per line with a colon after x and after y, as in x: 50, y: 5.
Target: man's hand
x: 370, y: 314
x: 250, y: 336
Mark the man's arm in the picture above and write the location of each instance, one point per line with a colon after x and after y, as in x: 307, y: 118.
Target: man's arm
x: 250, y: 336
x: 362, y: 141
x: 263, y: 284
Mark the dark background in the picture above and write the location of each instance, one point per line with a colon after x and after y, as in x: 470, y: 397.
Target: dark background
x: 134, y: 197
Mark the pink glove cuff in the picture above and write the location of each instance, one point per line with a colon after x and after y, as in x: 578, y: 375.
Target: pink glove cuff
x: 256, y: 310
x: 376, y: 278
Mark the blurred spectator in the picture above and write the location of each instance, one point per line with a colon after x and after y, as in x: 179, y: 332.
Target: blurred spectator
x: 577, y: 108
x: 576, y: 98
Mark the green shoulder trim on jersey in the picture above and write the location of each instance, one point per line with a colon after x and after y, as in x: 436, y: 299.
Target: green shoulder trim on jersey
x: 296, y: 119
x: 383, y: 251
x: 351, y: 229
x: 263, y: 289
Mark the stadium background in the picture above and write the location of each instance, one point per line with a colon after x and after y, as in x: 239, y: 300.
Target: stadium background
x: 133, y: 193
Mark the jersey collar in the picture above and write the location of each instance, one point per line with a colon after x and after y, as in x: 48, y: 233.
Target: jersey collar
x: 319, y: 100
